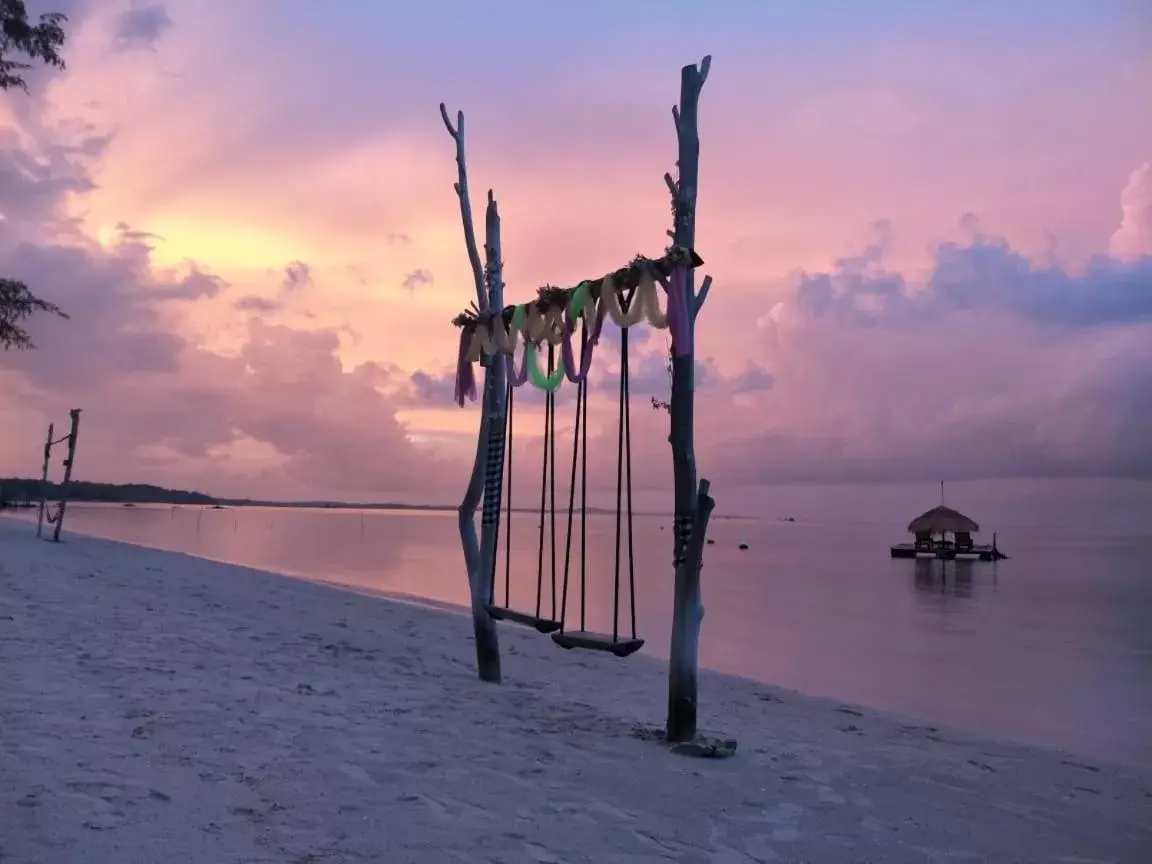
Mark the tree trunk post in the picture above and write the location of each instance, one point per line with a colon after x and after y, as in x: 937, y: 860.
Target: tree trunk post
x: 66, y: 486
x: 692, y: 504
x: 44, y: 481
x: 495, y: 408
x: 475, y: 555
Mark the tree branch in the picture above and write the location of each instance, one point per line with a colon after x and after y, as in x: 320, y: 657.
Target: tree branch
x: 461, y: 187
x: 701, y: 296
x: 702, y: 71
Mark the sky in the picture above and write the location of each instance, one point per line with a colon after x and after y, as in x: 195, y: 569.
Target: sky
x: 929, y: 228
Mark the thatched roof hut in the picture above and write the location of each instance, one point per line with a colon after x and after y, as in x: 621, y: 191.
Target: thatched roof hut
x: 942, y: 519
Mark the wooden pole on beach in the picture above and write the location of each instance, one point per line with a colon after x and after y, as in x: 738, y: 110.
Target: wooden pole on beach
x: 693, y: 504
x: 484, y: 484
x: 44, y: 481
x: 66, y: 486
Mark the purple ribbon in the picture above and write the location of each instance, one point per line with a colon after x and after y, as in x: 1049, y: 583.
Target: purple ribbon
x: 465, y: 375
x: 587, y: 346
x: 517, y: 379
x: 679, y: 321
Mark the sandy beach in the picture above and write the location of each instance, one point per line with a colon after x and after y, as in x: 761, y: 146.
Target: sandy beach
x: 162, y: 708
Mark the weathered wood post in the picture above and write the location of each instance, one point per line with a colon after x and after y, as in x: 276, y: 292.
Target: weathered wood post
x: 44, y: 481
x: 693, y: 505
x: 66, y: 486
x: 480, y: 554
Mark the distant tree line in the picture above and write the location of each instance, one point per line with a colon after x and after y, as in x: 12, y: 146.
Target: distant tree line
x: 18, y: 490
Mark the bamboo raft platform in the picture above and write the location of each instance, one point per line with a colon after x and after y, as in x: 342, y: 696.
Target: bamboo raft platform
x: 948, y: 552
x: 945, y: 534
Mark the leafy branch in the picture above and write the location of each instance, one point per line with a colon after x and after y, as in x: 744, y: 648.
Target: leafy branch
x: 16, y: 304
x: 41, y: 41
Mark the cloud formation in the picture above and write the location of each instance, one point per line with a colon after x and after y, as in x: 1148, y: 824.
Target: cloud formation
x: 989, y: 366
x: 278, y: 415
x: 141, y: 27
x: 418, y: 278
x: 1134, y: 236
x: 221, y: 338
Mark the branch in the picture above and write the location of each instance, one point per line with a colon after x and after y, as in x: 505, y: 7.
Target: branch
x: 701, y: 296
x: 702, y: 71
x: 676, y: 118
x: 673, y: 187
x: 461, y: 187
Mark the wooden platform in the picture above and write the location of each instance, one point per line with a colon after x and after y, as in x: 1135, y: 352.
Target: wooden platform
x: 524, y: 619
x: 974, y: 553
x: 622, y: 646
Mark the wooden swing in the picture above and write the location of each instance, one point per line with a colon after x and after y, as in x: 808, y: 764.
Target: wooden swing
x: 505, y: 612
x: 615, y: 643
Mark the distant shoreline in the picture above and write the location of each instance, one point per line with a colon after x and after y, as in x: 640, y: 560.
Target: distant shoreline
x: 18, y: 491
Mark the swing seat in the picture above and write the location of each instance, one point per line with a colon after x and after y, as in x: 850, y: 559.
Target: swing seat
x: 525, y: 619
x: 589, y: 641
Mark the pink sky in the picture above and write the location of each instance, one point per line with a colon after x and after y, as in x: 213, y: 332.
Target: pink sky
x: 930, y: 235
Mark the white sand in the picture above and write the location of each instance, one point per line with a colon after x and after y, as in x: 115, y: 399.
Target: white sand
x: 158, y: 708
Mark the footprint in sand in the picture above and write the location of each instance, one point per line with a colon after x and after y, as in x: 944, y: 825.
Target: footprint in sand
x: 356, y: 773
x: 540, y: 854
x: 784, y: 817
x: 828, y: 795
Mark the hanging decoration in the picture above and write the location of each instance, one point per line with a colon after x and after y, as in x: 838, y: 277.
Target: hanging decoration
x: 552, y: 320
x: 593, y: 317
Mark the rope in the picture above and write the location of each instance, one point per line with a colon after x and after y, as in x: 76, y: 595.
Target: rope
x: 624, y: 478
x: 580, y: 438
x: 508, y: 527
x: 623, y: 490
x: 547, y: 478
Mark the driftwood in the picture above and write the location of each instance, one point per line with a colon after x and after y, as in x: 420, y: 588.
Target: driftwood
x: 479, y: 553
x: 693, y: 504
x: 66, y: 486
x: 44, y: 480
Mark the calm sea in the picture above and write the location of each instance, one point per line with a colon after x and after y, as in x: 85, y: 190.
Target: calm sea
x: 1053, y: 646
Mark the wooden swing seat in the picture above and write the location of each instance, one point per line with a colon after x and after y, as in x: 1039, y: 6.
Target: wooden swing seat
x: 525, y: 619
x: 586, y: 639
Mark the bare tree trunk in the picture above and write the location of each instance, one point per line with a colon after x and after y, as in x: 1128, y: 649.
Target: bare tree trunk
x: 44, y: 481
x: 475, y: 556
x: 495, y: 407
x: 692, y: 504
x: 66, y: 486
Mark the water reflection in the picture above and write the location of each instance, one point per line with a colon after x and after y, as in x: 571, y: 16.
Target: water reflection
x: 954, y: 578
x: 1051, y: 646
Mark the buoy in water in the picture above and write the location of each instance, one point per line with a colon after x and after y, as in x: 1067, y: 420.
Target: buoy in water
x: 743, y: 545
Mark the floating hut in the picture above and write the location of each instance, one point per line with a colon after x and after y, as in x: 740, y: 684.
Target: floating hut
x: 945, y: 533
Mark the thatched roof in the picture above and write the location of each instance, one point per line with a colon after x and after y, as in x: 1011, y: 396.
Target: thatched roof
x: 941, y: 519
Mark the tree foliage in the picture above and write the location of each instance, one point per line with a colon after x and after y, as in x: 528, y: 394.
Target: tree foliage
x: 16, y: 304
x: 41, y: 41
x: 18, y: 37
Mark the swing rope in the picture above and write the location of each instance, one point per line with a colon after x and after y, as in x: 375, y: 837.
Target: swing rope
x: 582, y: 638
x: 548, y: 489
x: 535, y: 620
x: 579, y: 455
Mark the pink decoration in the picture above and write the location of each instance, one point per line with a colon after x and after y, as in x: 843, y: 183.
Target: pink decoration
x: 517, y: 379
